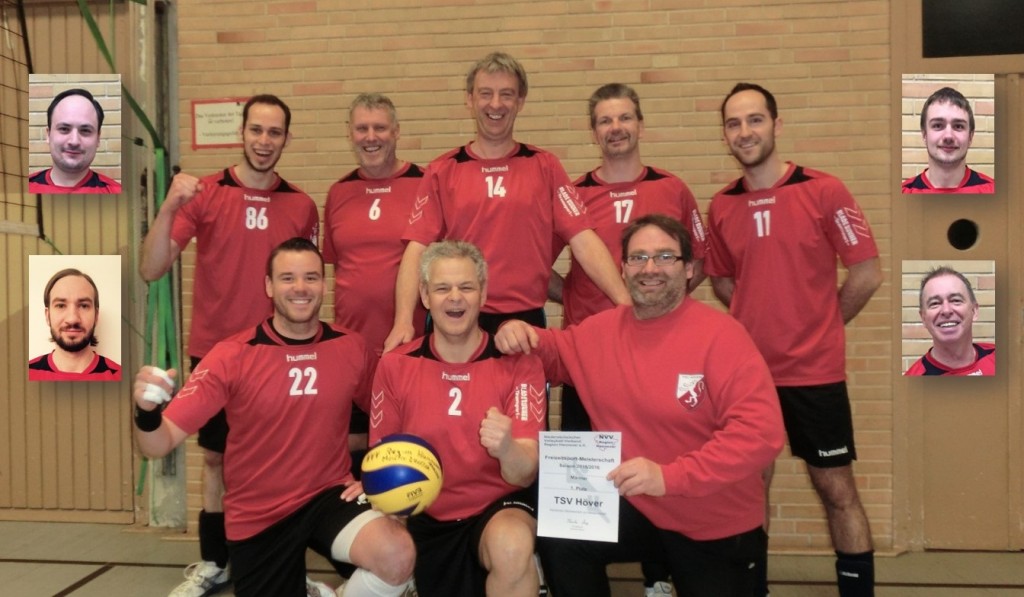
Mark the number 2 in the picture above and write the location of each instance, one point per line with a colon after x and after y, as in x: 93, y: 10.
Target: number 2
x: 456, y: 395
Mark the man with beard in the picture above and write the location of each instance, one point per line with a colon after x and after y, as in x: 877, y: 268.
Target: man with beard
x: 74, y: 121
x: 774, y: 236
x: 237, y: 216
x: 947, y: 126
x: 948, y: 310
x: 288, y: 384
x: 694, y: 401
x: 72, y: 312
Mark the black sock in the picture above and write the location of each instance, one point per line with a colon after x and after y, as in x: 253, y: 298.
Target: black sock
x: 855, y: 574
x: 213, y: 542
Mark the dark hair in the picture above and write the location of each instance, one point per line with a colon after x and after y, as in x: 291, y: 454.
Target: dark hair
x: 613, y: 91
x: 668, y: 225
x: 63, y: 274
x: 947, y: 95
x: 69, y: 92
x: 944, y: 270
x: 296, y: 244
x: 272, y: 100
x: 769, y: 99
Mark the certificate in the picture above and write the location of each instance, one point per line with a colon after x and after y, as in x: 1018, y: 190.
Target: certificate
x: 575, y: 499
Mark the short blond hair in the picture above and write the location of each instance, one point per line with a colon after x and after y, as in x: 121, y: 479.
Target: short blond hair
x: 498, y: 62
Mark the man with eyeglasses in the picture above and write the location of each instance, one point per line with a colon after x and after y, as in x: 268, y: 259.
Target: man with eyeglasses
x: 774, y: 235
x: 694, y: 401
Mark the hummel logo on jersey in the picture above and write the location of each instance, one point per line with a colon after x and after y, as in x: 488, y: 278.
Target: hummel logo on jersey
x: 248, y: 197
x: 690, y: 390
x: 488, y: 169
x: 292, y: 358
x: 378, y: 190
x: 615, y: 195
x: 417, y: 208
x: 851, y: 223
x: 758, y: 202
x: 454, y: 376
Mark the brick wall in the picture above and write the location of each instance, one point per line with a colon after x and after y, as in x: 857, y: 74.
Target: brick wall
x: 828, y: 63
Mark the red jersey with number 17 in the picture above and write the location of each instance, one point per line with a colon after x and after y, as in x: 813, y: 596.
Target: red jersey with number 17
x: 363, y: 224
x: 510, y: 208
x: 611, y: 207
x: 235, y: 229
x: 288, y: 404
x: 779, y: 245
x: 416, y: 392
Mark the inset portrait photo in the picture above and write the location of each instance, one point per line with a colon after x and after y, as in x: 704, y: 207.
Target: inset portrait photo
x: 74, y: 134
x: 948, y: 133
x: 948, y: 318
x: 74, y: 321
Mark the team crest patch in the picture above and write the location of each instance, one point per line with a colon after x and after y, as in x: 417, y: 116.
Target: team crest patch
x: 690, y: 390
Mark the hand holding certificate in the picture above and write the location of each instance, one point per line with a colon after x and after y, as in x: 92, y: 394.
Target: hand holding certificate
x: 575, y: 498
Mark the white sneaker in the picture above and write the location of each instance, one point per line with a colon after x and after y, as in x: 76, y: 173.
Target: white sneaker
x: 318, y: 589
x: 202, y: 579
x: 660, y: 589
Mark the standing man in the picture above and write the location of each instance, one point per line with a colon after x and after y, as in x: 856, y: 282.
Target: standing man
x: 694, y: 401
x: 288, y: 385
x: 481, y: 411
x: 778, y: 229
x: 367, y: 211
x: 74, y: 121
x: 509, y: 199
x: 237, y: 216
x: 948, y: 311
x: 617, y: 192
x: 947, y: 127
x: 72, y: 312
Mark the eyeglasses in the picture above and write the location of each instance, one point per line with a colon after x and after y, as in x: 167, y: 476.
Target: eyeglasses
x: 660, y: 260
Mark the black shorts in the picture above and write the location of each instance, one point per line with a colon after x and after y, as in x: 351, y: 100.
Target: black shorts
x: 273, y: 562
x: 213, y: 435
x: 713, y: 568
x: 448, y: 552
x: 819, y: 423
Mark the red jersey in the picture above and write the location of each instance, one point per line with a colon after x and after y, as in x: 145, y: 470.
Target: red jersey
x: 689, y: 391
x: 43, y: 368
x: 611, y: 207
x: 288, y: 406
x: 94, y: 183
x: 984, y: 363
x: 416, y: 392
x: 779, y: 245
x: 511, y: 208
x: 235, y: 229
x: 363, y: 225
x: 974, y: 182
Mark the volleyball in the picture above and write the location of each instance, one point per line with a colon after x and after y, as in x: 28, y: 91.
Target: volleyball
x: 402, y: 475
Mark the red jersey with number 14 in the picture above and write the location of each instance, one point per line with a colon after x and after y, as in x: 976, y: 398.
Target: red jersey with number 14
x: 235, y: 229
x: 779, y: 245
x: 416, y: 392
x: 510, y: 208
x: 363, y: 224
x: 288, y: 405
x: 611, y: 207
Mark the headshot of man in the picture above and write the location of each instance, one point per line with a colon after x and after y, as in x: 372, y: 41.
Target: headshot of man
x: 947, y: 128
x: 948, y: 309
x: 74, y: 121
x: 72, y: 305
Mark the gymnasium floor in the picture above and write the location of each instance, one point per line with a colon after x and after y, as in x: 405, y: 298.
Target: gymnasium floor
x: 86, y: 560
